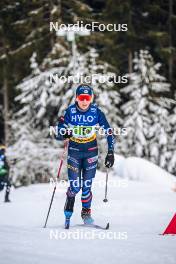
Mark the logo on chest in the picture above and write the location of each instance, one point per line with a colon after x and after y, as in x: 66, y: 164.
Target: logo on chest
x: 82, y: 118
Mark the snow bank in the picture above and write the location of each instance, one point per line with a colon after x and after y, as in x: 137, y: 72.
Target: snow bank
x: 134, y: 168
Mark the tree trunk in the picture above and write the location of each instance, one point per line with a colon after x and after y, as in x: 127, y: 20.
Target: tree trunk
x: 6, y: 106
x: 130, y: 56
x: 53, y: 17
x: 170, y: 40
x: 130, y: 62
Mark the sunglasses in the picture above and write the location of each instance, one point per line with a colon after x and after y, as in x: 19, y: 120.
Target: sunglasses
x: 83, y: 97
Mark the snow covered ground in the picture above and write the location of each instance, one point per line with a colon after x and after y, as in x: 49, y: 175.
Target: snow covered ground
x: 138, y: 212
x: 134, y: 168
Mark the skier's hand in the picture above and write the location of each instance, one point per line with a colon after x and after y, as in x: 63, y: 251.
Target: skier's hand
x: 109, y: 160
x: 67, y: 132
x: 61, y: 119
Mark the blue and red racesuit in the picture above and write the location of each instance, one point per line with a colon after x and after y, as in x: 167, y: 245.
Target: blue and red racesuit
x: 82, y: 149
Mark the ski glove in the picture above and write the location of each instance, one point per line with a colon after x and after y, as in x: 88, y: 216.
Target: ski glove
x: 61, y: 120
x: 109, y: 160
x: 68, y: 132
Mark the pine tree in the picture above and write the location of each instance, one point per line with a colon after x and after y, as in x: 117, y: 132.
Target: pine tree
x: 30, y: 126
x: 43, y: 100
x: 171, y: 142
x: 146, y: 127
x: 159, y: 137
x: 23, y: 28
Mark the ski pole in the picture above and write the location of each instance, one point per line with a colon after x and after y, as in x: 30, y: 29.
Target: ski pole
x: 105, y: 200
x: 58, y: 175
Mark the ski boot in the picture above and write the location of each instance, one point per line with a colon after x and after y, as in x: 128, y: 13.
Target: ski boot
x: 67, y: 219
x: 68, y: 210
x: 86, y: 216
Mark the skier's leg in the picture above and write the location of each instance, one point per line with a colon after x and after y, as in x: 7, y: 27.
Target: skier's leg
x: 2, y: 185
x: 5, y: 182
x: 74, y: 176
x: 86, y: 197
x: 89, y: 170
x: 8, y: 186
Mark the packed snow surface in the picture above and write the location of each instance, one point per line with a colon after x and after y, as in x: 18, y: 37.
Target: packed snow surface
x: 138, y: 212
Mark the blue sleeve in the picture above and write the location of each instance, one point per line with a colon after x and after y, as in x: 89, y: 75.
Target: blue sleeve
x: 108, y: 130
x: 64, y: 125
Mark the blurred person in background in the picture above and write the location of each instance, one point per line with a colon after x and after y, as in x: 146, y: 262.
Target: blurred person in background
x: 4, y: 174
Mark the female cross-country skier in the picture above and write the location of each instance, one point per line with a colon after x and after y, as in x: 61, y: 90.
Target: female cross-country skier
x: 78, y: 125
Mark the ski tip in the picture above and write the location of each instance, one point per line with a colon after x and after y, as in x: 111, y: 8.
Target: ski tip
x: 107, y: 226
